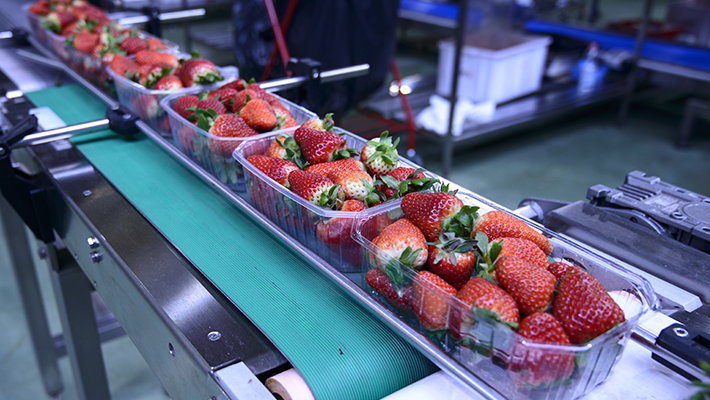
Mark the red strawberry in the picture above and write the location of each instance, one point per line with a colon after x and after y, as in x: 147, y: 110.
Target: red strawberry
x: 155, y: 44
x: 325, y: 124
x: 123, y: 65
x: 199, y: 72
x: 315, y: 188
x: 453, y: 259
x: 380, y: 155
x: 224, y: 127
x: 319, y: 146
x: 498, y: 224
x: 560, y: 268
x: 55, y: 21
x: 149, y: 75
x: 148, y: 57
x: 430, y: 300
x: 241, y: 99
x: 381, y: 283
x: 238, y: 85
x: 356, y: 184
x: 540, y: 367
x: 399, y: 174
x: 525, y: 249
x: 86, y: 41
x: 212, y: 104
x: 531, y: 286
x: 40, y: 8
x: 401, y: 241
x: 345, y: 164
x: 259, y: 115
x: 403, y: 180
x: 335, y: 233
x: 285, y: 147
x: 479, y: 293
x: 583, y: 306
x: 434, y: 212
x: 226, y: 96
x: 274, y: 168
x: 170, y: 82
x: 132, y: 45
x: 256, y: 88
x: 183, y: 103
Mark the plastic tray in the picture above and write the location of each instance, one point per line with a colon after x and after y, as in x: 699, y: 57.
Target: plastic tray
x: 55, y: 42
x: 306, y: 222
x: 196, y: 142
x: 146, y: 102
x: 493, y: 341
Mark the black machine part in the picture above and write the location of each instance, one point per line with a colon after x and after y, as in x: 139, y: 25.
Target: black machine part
x: 678, y: 213
x: 690, y: 344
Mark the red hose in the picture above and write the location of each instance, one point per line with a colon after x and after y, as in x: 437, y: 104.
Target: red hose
x: 280, y: 41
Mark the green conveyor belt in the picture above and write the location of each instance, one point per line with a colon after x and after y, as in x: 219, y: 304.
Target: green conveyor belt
x: 342, y: 351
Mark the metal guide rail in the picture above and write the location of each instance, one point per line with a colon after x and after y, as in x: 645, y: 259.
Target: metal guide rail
x: 433, y: 352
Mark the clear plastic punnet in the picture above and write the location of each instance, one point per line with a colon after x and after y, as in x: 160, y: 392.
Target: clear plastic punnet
x: 146, y: 102
x: 324, y: 231
x: 214, y: 153
x: 492, y: 350
x: 53, y: 41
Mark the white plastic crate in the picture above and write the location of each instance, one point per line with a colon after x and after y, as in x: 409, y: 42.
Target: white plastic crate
x: 495, y: 66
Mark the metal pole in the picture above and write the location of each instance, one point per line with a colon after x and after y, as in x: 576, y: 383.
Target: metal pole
x: 62, y: 133
x: 325, y: 77
x: 166, y: 16
x: 449, y: 140
x: 631, y: 80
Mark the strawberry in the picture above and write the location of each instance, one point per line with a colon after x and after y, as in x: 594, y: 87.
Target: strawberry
x: 123, y: 65
x: 286, y: 122
x: 241, y: 99
x: 380, y: 282
x: 86, y: 41
x: 259, y: 115
x: 199, y: 72
x: 498, y: 224
x: 453, y: 259
x: 380, y: 155
x: 56, y: 20
x: 430, y: 300
x: 325, y: 124
x: 434, y: 212
x: 559, y: 268
x: 356, y: 184
x: 132, y: 45
x: 335, y: 233
x: 532, y: 287
x: 213, y: 104
x: 315, y: 188
x: 481, y: 293
x: 40, y: 8
x: 320, y: 146
x: 170, y: 82
x: 149, y: 75
x: 345, y: 164
x: 403, y: 180
x: 154, y: 44
x: 274, y: 168
x: 226, y: 96
x: 540, y: 367
x: 183, y: 103
x: 583, y: 307
x: 223, y: 127
x: 238, y: 85
x: 148, y: 57
x: 523, y: 248
x: 285, y: 147
x: 401, y: 241
x: 256, y: 88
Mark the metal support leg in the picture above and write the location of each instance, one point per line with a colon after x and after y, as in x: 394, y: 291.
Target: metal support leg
x: 631, y: 79
x: 28, y: 285
x: 692, y: 106
x: 453, y: 97
x: 73, y: 293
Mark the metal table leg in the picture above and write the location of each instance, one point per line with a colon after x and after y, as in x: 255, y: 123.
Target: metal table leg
x: 692, y: 106
x: 26, y: 274
x: 631, y: 80
x: 73, y: 292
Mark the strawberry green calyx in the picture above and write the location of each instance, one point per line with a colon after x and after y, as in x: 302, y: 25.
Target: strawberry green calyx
x: 210, y: 77
x: 374, y: 196
x: 410, y: 184
x: 293, y: 151
x: 384, y: 149
x: 340, y: 154
x: 461, y: 224
x: 329, y: 198
x: 394, y: 270
x: 329, y: 123
x: 450, y: 245
x: 205, y: 118
x: 488, y: 255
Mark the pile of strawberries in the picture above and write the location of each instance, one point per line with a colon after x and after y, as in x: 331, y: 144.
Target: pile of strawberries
x: 157, y: 70
x: 237, y: 109
x: 494, y: 266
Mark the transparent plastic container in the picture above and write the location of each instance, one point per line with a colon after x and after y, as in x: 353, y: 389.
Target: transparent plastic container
x: 487, y: 347
x: 326, y: 232
x: 49, y: 39
x: 214, y: 153
x: 146, y: 102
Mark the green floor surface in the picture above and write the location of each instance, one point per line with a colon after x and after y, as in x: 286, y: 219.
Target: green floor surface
x: 342, y: 351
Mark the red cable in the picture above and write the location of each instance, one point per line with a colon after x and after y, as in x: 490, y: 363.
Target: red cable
x: 405, y: 104
x: 285, y: 24
x: 274, y: 19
